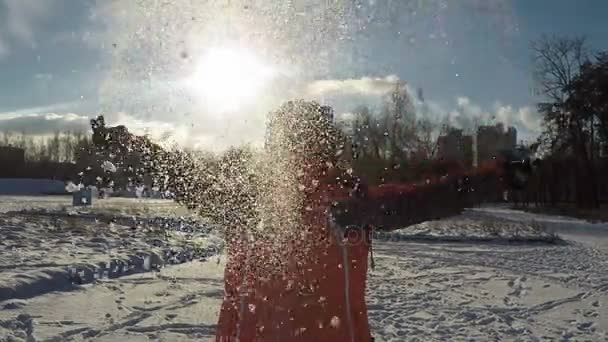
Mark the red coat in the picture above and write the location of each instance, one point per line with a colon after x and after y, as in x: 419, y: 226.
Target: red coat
x: 321, y: 299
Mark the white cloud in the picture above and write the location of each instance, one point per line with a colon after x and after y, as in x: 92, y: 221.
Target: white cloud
x: 55, y: 107
x: 531, y: 118
x: 506, y: 114
x: 463, y: 113
x: 468, y: 115
x: 469, y: 108
x: 463, y: 101
x: 46, y: 123
x: 168, y: 131
x: 525, y: 117
x: 358, y: 86
x: 156, y: 129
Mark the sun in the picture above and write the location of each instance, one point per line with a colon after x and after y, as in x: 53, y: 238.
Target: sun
x: 227, y: 78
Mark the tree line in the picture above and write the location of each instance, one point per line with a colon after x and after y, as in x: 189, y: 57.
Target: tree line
x: 395, y: 142
x: 56, y: 147
x: 573, y: 85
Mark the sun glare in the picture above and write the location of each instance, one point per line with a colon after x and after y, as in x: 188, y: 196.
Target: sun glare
x: 227, y: 78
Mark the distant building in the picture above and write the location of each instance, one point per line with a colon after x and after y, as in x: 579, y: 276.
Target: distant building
x: 454, y: 146
x: 493, y: 139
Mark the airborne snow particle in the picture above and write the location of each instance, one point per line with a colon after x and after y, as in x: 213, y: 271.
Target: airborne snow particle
x: 108, y: 166
x: 335, y: 322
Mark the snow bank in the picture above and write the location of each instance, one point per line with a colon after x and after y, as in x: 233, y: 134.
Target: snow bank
x: 140, y: 307
x: 474, y: 226
x: 45, y: 251
x: 556, y: 223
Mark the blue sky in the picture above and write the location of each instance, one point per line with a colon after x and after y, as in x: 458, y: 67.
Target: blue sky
x: 63, y: 61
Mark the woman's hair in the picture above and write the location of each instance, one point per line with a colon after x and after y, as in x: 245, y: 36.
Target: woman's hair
x: 302, y: 149
x: 303, y: 133
x: 300, y: 142
x: 259, y: 199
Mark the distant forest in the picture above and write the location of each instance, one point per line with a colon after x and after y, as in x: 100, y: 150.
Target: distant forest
x: 57, y: 147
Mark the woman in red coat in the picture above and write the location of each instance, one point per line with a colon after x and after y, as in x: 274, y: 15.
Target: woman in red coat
x: 298, y: 276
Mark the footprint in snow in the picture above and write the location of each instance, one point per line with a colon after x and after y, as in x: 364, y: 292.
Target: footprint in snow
x: 518, y: 286
x: 585, y: 326
x: 567, y: 335
x: 14, y: 304
x: 590, y: 314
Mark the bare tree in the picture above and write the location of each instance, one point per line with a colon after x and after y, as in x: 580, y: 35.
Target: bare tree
x: 426, y: 131
x: 366, y: 135
x: 399, y: 117
x: 22, y: 141
x: 558, y: 62
x: 54, y: 145
x: 67, y: 147
x: 388, y: 139
x: 28, y: 145
x: 7, y: 138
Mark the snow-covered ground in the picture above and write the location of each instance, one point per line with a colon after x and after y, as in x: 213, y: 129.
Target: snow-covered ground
x: 494, y: 291
x: 425, y: 290
x: 179, y: 303
x: 113, y: 205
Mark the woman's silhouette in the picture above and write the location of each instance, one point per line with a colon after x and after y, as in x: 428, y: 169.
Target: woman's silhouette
x: 294, y: 272
x: 298, y: 276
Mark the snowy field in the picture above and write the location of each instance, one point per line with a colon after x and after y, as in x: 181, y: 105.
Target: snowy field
x: 464, y: 278
x: 115, y: 205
